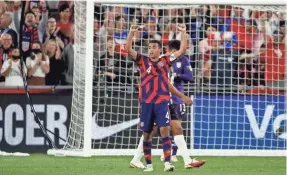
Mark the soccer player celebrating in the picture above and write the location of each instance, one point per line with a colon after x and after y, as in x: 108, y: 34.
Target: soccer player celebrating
x: 181, y: 71
x: 155, y: 93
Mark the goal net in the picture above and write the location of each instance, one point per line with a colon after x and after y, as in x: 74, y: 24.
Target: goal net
x: 238, y: 58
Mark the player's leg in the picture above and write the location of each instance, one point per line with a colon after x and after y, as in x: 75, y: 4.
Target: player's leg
x: 146, y: 125
x: 136, y: 161
x: 173, y: 149
x: 178, y: 111
x: 163, y: 122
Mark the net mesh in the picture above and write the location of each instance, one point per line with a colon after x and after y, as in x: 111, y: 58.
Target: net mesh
x: 238, y: 93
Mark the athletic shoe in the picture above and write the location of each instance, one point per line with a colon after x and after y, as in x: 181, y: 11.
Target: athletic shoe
x: 149, y: 168
x: 137, y: 164
x: 168, y: 167
x: 195, y: 163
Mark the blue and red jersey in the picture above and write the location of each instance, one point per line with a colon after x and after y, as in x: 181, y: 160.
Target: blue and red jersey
x: 154, y: 79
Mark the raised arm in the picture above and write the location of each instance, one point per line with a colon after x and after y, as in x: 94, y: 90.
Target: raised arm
x: 129, y: 43
x: 183, y: 42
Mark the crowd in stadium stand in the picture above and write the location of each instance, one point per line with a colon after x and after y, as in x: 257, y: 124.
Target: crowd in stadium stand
x: 47, y: 37
x: 228, y: 46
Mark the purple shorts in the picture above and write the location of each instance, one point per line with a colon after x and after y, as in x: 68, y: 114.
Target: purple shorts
x: 177, y: 111
x: 154, y: 114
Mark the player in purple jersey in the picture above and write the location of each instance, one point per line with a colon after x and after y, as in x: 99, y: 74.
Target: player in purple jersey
x: 181, y: 72
x: 155, y: 93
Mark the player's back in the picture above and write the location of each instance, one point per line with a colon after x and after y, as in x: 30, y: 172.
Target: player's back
x: 154, y: 79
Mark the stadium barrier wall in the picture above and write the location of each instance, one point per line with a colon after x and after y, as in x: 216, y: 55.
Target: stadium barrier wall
x: 18, y: 130
x: 229, y: 122
x: 237, y: 122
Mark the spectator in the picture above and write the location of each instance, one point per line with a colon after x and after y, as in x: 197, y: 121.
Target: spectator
x: 251, y: 39
x: 11, y: 69
x: 267, y: 21
x: 55, y: 75
x: 68, y: 58
x: 5, y: 51
x: 38, y: 65
x: 237, y: 22
x: 5, y: 22
x: 53, y: 33
x: 101, y: 34
x: 197, y: 23
x: 71, y: 6
x: 223, y: 65
x: 120, y: 34
x: 114, y: 67
x: 31, y: 31
x: 173, y: 34
x: 275, y: 61
x: 149, y: 33
x: 206, y: 44
x: 206, y: 48
x: 64, y: 23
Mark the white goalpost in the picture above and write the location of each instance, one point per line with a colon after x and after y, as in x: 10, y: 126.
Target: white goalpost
x: 247, y: 117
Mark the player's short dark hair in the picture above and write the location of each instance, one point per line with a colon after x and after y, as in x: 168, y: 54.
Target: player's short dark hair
x: 156, y: 42
x: 174, y: 45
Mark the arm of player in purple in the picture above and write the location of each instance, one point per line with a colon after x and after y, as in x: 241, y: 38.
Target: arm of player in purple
x: 187, y: 70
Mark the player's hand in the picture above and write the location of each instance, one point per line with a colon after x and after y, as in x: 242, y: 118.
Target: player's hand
x: 181, y: 27
x: 187, y: 100
x: 134, y: 28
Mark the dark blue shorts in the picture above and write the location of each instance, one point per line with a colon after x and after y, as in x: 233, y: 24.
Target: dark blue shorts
x: 177, y: 111
x: 154, y: 114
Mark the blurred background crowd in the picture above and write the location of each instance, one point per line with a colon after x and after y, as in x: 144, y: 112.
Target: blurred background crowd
x: 47, y: 37
x: 229, y: 47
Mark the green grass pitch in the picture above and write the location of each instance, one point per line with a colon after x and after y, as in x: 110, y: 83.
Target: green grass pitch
x: 49, y: 165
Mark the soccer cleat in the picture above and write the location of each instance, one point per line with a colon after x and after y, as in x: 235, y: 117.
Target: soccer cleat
x: 137, y: 164
x: 168, y: 167
x: 195, y: 164
x: 149, y: 168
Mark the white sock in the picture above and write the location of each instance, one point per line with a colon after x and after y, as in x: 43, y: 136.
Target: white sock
x: 138, y: 154
x: 181, y: 144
